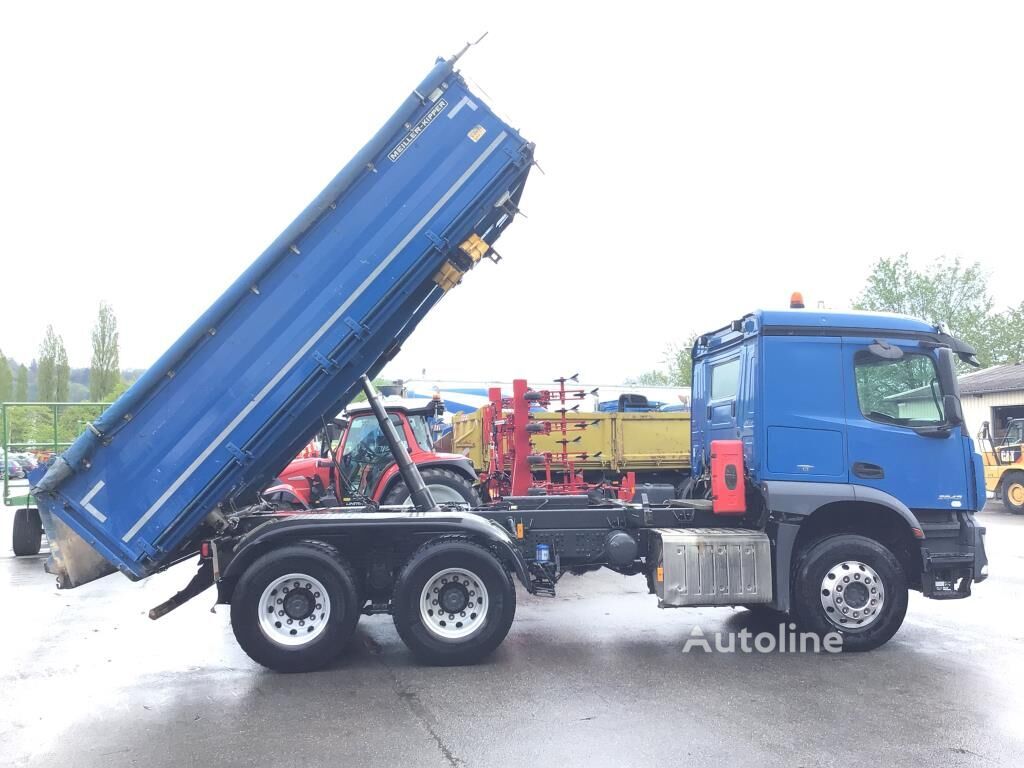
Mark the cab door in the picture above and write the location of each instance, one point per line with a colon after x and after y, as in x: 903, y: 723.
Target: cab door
x: 899, y: 439
x: 803, y: 409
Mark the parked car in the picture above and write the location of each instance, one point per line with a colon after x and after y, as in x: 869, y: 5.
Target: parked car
x: 13, y: 470
x: 26, y: 460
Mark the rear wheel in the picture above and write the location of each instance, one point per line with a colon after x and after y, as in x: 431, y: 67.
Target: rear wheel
x: 27, y: 535
x: 851, y: 585
x: 453, y: 602
x: 295, y: 607
x: 445, y: 486
x: 1013, y: 492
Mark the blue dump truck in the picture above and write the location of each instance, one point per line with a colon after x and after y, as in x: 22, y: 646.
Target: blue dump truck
x: 824, y: 485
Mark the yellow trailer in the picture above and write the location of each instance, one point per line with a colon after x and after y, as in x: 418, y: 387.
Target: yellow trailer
x: 655, y: 445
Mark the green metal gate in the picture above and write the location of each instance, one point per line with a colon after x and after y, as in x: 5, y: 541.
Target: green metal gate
x: 44, y: 430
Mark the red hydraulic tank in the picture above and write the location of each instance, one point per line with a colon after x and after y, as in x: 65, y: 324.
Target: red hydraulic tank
x: 728, y: 493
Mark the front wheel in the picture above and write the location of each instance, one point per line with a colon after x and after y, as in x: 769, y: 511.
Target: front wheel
x: 453, y: 602
x: 851, y: 585
x: 1013, y: 492
x: 295, y: 607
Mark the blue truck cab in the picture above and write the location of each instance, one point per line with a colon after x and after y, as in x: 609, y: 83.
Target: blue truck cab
x: 850, y: 422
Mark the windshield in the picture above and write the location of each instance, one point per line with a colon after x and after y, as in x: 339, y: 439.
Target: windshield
x: 904, y: 391
x: 1014, y: 433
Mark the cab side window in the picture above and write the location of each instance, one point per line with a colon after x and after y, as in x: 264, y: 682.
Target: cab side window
x: 903, y: 391
x: 725, y: 379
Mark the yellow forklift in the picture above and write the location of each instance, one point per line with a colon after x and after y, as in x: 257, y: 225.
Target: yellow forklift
x: 1004, y: 464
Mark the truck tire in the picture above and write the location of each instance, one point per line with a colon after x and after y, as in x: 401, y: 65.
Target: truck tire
x: 1013, y: 492
x: 473, y: 586
x: 27, y: 535
x: 295, y: 607
x: 445, y: 485
x: 852, y: 585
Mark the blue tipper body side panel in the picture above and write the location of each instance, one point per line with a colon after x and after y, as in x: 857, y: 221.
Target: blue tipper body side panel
x: 332, y: 298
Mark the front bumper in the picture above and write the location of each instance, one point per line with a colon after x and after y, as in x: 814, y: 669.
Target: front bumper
x: 952, y: 555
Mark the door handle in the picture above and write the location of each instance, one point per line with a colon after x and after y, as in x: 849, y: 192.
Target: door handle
x: 868, y: 470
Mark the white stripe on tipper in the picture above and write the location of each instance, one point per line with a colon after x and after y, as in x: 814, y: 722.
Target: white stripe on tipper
x: 464, y: 102
x: 304, y: 349
x: 87, y: 504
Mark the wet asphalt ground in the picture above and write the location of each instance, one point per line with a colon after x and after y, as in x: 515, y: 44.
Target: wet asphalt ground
x: 595, y: 677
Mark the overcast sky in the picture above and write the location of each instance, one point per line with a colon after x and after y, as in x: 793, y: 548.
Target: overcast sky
x: 700, y: 161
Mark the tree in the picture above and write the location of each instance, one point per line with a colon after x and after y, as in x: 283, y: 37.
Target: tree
x: 676, y: 370
x: 21, y: 387
x: 6, y: 379
x: 651, y: 378
x: 948, y: 292
x: 377, y: 384
x: 104, y: 371
x: 54, y: 376
x: 680, y: 357
x: 1008, y: 335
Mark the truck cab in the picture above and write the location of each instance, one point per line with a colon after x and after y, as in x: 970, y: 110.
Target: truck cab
x: 355, y: 461
x: 848, y: 421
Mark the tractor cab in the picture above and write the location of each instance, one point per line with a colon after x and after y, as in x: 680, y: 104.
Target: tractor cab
x: 363, y: 454
x: 355, y: 462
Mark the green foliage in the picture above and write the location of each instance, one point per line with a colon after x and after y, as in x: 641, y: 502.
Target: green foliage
x: 77, y: 393
x: 676, y: 370
x: 21, y: 385
x: 34, y: 424
x: 104, y: 371
x: 54, y: 375
x: 650, y: 379
x: 119, y: 389
x: 1007, y: 335
x: 6, y: 380
x: 377, y: 383
x: 950, y: 292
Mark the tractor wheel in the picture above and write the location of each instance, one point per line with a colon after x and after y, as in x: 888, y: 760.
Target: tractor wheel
x: 1013, y: 492
x: 445, y: 486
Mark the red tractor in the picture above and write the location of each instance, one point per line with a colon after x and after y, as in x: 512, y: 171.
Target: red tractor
x: 362, y: 467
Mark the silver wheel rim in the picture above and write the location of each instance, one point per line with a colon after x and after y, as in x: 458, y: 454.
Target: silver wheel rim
x: 443, y: 494
x: 852, y: 595
x: 294, y: 610
x: 453, y: 604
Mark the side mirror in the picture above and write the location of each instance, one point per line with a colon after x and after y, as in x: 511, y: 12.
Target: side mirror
x: 954, y: 411
x: 947, y: 370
